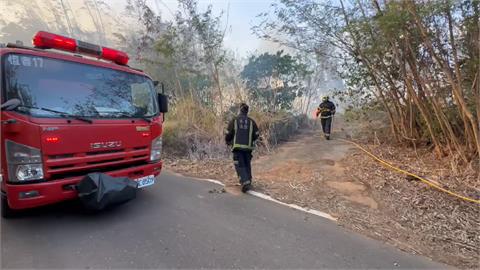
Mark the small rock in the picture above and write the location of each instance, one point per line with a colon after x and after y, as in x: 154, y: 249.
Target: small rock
x: 217, y: 190
x: 411, y: 178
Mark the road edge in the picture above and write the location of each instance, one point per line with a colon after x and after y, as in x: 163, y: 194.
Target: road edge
x: 269, y: 198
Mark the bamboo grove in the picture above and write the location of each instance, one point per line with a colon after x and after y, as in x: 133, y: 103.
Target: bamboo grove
x: 418, y: 59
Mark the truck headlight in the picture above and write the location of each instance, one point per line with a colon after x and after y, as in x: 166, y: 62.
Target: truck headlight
x: 156, y: 149
x: 24, y: 162
x: 29, y: 172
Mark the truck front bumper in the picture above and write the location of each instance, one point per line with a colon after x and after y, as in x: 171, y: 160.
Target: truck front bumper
x: 20, y: 196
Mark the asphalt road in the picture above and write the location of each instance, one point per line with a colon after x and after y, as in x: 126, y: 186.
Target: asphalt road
x: 178, y: 223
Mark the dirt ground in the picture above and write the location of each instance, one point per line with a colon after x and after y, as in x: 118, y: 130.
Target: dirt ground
x: 334, y: 177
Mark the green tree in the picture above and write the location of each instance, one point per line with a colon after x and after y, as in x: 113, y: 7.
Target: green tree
x: 274, y: 81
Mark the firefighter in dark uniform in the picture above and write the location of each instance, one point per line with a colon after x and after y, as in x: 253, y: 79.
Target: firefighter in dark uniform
x: 242, y: 132
x: 326, y: 111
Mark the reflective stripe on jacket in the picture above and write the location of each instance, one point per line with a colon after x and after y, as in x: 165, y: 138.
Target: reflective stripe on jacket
x: 242, y: 133
x: 242, y: 128
x: 326, y: 109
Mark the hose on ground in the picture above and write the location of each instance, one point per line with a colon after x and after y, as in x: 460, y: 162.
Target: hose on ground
x: 428, y: 182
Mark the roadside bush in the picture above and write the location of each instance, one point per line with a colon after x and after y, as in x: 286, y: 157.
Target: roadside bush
x: 278, y: 127
x: 193, y: 131
x: 369, y: 123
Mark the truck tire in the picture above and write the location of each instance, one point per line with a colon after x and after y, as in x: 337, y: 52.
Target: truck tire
x: 7, y: 212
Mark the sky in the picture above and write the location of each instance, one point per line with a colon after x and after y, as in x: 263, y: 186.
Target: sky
x: 241, y: 17
x: 238, y: 16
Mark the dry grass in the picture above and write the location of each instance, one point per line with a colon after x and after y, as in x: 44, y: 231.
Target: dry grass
x: 415, y: 217
x: 196, y: 132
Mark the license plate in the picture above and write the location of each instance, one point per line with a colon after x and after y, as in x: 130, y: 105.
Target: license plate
x: 145, y: 181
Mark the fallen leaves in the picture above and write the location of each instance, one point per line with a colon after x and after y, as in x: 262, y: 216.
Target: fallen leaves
x: 442, y: 226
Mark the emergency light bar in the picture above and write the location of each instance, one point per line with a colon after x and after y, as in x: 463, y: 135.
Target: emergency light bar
x: 45, y: 40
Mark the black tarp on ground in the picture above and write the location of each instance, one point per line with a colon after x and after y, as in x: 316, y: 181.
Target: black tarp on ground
x: 98, y: 191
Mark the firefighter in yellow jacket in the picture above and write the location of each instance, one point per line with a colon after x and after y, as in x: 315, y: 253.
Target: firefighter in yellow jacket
x: 326, y: 111
x: 242, y: 132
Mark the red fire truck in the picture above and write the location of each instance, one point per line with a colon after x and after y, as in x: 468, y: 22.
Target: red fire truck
x: 69, y: 108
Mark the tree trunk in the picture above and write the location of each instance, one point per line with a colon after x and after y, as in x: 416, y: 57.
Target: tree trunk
x: 177, y: 82
x: 372, y: 73
x: 472, y: 125
x: 216, y: 78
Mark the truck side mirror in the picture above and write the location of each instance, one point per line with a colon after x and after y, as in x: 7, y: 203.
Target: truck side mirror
x: 10, y: 104
x: 162, y: 102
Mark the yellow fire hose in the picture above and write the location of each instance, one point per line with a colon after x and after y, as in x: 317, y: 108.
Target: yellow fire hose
x: 431, y: 184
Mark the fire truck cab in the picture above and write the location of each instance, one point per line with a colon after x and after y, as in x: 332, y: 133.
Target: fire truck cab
x: 69, y: 108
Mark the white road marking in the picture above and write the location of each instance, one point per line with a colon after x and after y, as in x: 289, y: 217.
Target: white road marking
x: 268, y: 198
x: 294, y: 206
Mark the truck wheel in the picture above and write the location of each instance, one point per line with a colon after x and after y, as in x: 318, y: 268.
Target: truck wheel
x: 7, y: 212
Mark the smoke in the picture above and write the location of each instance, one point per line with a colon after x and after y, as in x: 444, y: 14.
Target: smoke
x: 90, y: 20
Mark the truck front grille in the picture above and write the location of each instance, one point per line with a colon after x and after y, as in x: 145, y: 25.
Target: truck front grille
x: 104, y: 152
x: 101, y: 170
x: 65, y: 165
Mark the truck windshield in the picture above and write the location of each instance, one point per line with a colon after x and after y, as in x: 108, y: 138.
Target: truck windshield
x: 76, y: 89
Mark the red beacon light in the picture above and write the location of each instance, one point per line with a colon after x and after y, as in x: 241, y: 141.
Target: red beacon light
x: 45, y: 40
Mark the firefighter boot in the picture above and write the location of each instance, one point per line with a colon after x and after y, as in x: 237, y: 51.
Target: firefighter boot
x: 246, y: 186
